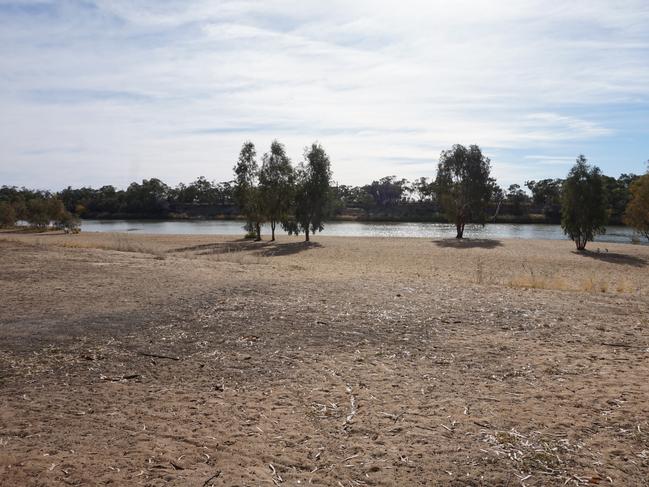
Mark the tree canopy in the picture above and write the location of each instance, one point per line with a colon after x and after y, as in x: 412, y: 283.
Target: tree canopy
x: 637, y: 211
x: 312, y: 193
x: 583, y: 209
x: 246, y: 190
x: 276, y: 183
x: 464, y: 185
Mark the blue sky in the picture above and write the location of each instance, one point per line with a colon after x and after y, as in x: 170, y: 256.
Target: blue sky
x: 98, y: 92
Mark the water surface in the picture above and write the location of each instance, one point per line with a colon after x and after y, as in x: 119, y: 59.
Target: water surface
x: 354, y: 229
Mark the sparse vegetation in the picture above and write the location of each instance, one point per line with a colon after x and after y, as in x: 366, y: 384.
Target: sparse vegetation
x: 352, y: 339
x: 530, y: 278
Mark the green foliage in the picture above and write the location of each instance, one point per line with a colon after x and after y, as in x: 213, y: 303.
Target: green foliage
x: 517, y: 198
x: 387, y: 191
x: 202, y: 192
x: 583, y: 208
x: 424, y: 190
x: 276, y: 185
x: 618, y: 194
x: 38, y: 213
x: 464, y: 185
x: 312, y: 194
x: 637, y: 211
x: 7, y: 215
x: 247, y: 194
x: 545, y: 192
x: 150, y: 197
x: 351, y: 196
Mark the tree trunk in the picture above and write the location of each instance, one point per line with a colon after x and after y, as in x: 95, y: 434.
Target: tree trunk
x: 459, y: 225
x: 497, y: 210
x: 460, y: 229
x: 258, y: 229
x: 581, y: 243
x: 272, y: 231
x: 306, y: 233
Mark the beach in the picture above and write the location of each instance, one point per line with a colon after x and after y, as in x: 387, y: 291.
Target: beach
x: 210, y: 360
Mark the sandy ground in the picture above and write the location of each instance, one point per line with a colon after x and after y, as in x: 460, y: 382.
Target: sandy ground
x: 135, y: 360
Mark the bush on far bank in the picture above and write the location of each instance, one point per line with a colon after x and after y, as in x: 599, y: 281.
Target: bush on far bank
x: 40, y: 210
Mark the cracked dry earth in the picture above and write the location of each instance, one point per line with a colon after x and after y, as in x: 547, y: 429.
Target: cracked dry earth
x: 197, y: 361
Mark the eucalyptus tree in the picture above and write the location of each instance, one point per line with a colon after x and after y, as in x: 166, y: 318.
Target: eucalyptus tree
x: 312, y: 200
x: 276, y: 185
x: 464, y: 185
x: 637, y: 211
x: 583, y: 203
x: 246, y: 189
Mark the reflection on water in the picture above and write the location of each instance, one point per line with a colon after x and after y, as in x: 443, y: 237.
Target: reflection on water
x: 354, y: 229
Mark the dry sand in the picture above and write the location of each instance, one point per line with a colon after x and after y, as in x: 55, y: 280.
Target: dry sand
x: 169, y: 360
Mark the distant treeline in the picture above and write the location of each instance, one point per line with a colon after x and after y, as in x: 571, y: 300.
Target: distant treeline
x: 40, y: 209
x: 387, y: 199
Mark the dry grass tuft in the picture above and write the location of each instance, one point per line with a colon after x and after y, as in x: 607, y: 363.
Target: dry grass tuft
x: 625, y: 286
x: 116, y: 242
x: 479, y: 271
x: 591, y: 284
x: 531, y: 279
x: 540, y: 282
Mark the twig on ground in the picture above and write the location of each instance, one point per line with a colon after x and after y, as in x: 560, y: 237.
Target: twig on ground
x: 156, y: 355
x: 353, y: 409
x: 120, y: 378
x: 216, y: 475
x: 277, y: 478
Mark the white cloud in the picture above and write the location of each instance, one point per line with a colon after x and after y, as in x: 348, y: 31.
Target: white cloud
x: 171, y: 89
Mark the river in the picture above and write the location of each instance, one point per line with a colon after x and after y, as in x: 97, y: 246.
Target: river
x: 354, y: 229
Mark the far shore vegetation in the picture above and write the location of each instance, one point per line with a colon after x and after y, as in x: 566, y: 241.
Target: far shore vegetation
x: 300, y: 198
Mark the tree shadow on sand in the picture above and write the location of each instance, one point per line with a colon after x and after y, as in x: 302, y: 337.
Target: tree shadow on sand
x: 241, y: 245
x: 288, y: 248
x: 478, y: 243
x: 614, y: 258
x: 263, y: 248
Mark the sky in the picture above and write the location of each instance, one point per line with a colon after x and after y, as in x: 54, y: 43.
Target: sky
x: 96, y: 92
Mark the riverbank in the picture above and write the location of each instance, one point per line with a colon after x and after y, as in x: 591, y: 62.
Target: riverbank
x: 170, y: 360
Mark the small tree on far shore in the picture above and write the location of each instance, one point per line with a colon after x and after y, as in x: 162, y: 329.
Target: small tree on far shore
x: 637, y: 211
x: 464, y: 185
x: 246, y: 190
x: 583, y: 203
x: 7, y: 215
x: 276, y: 184
x: 312, y: 193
